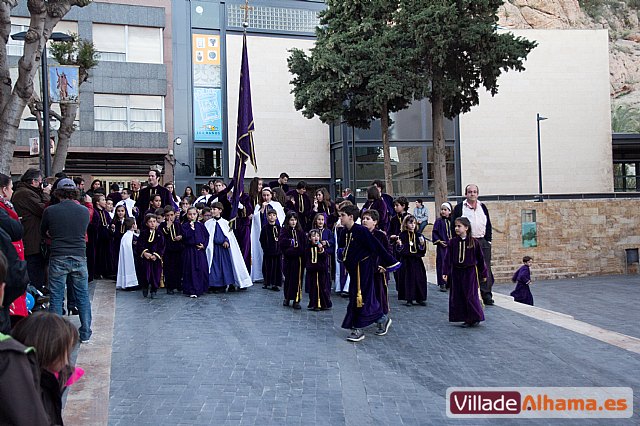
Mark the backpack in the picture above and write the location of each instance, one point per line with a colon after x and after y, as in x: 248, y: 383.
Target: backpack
x: 17, y: 276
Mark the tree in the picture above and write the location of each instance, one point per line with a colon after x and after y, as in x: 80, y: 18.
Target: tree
x: 14, y: 98
x: 456, y: 50
x: 355, y: 70
x: 83, y: 54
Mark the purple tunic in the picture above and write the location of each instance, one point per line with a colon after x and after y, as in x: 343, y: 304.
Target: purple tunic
x: 150, y: 242
x: 464, y: 265
x: 395, y: 224
x: 302, y: 205
x: 292, y: 244
x: 172, y: 261
x: 316, y: 278
x: 381, y: 279
x: 361, y: 254
x: 440, y: 236
x: 101, y: 223
x: 221, y: 273
x: 272, y: 255
x: 195, y: 275
x: 522, y: 292
x: 242, y: 229
x: 412, y: 275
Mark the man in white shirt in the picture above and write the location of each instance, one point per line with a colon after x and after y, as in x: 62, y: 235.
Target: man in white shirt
x: 478, y: 215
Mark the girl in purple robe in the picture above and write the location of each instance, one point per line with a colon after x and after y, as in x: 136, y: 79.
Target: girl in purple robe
x: 150, y: 249
x: 172, y: 264
x: 522, y: 278
x: 117, y: 230
x: 464, y: 267
x: 272, y: 255
x: 242, y: 229
x: 375, y: 202
x: 221, y: 273
x: 317, y: 273
x: 322, y: 204
x: 440, y: 236
x: 328, y: 241
x: 292, y: 244
x: 195, y: 272
x: 411, y: 248
x: 101, y: 223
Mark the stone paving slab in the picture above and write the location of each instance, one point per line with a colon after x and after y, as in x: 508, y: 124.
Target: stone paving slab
x: 611, y: 302
x: 243, y: 359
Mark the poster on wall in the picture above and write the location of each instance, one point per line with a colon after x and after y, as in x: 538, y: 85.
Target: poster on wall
x: 34, y: 146
x: 207, y: 114
x: 63, y: 84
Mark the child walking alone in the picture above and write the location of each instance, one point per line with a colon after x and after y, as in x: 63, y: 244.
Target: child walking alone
x: 464, y: 267
x: 522, y: 278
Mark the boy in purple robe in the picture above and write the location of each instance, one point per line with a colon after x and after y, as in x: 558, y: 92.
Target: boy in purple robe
x: 301, y: 204
x: 150, y: 249
x: 411, y: 248
x: 358, y: 249
x: 292, y: 244
x: 440, y: 236
x: 464, y: 267
x: 172, y: 264
x: 195, y: 268
x: 522, y: 278
x: 272, y: 255
x: 101, y: 224
x: 221, y: 273
x: 400, y: 207
x: 317, y: 268
x: 242, y: 228
x: 381, y: 276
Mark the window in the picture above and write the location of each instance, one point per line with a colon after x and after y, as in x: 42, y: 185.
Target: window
x: 274, y: 18
x: 128, y: 113
x: 406, y: 169
x: 208, y: 161
x: 125, y: 43
x: 625, y: 177
x: 19, y: 24
x: 451, y: 171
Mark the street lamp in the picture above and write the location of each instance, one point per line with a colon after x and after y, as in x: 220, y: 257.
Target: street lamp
x: 539, y: 118
x: 45, y: 93
x: 172, y: 156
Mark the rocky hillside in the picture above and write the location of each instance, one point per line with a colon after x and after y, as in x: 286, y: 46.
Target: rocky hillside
x: 619, y: 17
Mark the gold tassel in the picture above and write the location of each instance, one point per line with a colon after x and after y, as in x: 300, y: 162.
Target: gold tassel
x: 359, y: 301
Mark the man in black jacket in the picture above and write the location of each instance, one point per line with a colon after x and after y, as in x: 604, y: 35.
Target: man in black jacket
x: 478, y: 215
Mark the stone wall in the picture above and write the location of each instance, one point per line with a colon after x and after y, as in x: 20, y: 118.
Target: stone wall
x: 575, y: 237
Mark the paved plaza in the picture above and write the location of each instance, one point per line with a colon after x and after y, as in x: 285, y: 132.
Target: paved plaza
x: 243, y: 359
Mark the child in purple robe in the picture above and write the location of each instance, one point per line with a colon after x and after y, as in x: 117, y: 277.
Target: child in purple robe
x: 411, y: 248
x: 292, y: 244
x: 317, y: 272
x: 375, y: 202
x: 101, y: 223
x: 155, y: 204
x: 328, y: 241
x: 195, y: 268
x: 272, y: 255
x: 400, y: 207
x: 440, y: 236
x: 150, y: 249
x: 221, y: 273
x: 381, y: 276
x: 172, y: 264
x: 117, y: 230
x: 464, y: 267
x: 522, y: 278
x: 362, y: 254
x: 242, y: 229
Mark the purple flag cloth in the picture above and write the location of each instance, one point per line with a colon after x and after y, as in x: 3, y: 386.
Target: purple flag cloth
x: 244, y: 141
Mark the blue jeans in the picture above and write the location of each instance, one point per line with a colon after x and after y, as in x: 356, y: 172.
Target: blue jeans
x: 75, y: 268
x: 421, y: 226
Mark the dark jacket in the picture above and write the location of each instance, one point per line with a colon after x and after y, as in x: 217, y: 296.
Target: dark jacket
x: 457, y: 212
x: 20, y: 385
x: 29, y: 202
x: 51, y: 394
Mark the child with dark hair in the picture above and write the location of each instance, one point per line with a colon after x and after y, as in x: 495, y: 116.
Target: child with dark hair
x: 53, y: 339
x: 440, y: 236
x: 292, y: 244
x: 375, y: 202
x: 400, y: 207
x: 100, y: 225
x: 172, y: 263
x: 221, y: 273
x: 317, y: 273
x: 522, y: 278
x: 272, y: 255
x: 195, y: 268
x: 464, y: 267
x: 126, y: 277
x: 362, y: 255
x: 117, y: 230
x: 154, y: 204
x: 411, y: 248
x: 150, y: 249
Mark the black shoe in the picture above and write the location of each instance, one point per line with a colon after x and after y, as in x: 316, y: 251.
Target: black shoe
x: 232, y: 289
x: 265, y: 286
x: 296, y: 306
x: 170, y: 292
x: 275, y: 288
x: 285, y: 303
x: 422, y: 303
x: 311, y: 308
x: 443, y: 288
x: 74, y: 310
x: 489, y: 302
x: 145, y: 292
x: 153, y: 294
x: 408, y: 303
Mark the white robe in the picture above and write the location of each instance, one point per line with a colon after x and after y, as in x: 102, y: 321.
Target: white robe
x: 126, y: 266
x: 256, y: 248
x: 240, y: 273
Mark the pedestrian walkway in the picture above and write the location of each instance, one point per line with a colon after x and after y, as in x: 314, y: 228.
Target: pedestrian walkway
x: 243, y: 359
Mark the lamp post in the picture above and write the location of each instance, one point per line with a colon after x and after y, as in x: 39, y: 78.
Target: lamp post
x: 539, y: 118
x: 172, y: 156
x: 44, y: 78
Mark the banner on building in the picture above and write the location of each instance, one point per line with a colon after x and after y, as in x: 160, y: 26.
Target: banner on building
x: 207, y: 114
x: 63, y: 84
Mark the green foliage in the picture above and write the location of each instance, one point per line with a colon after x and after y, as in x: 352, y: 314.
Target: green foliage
x: 457, y: 50
x: 78, y: 52
x: 625, y: 119
x: 356, y: 69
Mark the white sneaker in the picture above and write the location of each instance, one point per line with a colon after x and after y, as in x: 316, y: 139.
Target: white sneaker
x: 384, y: 328
x: 194, y: 296
x: 356, y: 335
